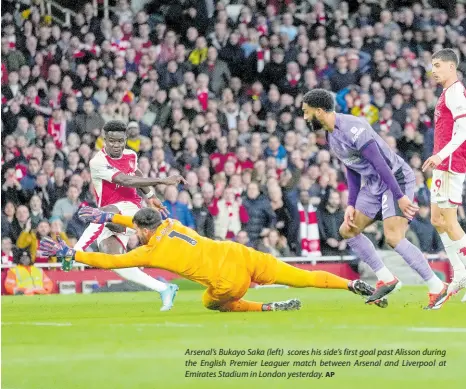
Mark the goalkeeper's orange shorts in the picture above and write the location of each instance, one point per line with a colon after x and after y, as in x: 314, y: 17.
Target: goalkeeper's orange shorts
x: 242, y: 265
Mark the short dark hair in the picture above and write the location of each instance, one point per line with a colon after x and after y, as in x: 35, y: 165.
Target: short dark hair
x: 320, y: 98
x: 115, y: 126
x: 446, y: 55
x: 147, y: 218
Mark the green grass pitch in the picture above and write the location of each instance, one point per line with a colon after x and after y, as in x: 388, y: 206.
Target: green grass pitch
x: 122, y: 341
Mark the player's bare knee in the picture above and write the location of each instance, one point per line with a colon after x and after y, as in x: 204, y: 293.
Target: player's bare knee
x: 392, y: 238
x: 438, y: 222
x: 348, y: 232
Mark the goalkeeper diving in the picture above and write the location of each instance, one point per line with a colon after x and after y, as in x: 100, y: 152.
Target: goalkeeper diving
x: 225, y: 268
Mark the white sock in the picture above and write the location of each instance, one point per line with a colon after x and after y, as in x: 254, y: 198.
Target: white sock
x: 139, y: 277
x: 385, y: 275
x: 460, y: 246
x: 452, y: 248
x: 435, y: 285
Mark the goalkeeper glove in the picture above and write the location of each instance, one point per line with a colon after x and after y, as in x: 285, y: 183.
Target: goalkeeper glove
x: 94, y: 215
x: 60, y: 249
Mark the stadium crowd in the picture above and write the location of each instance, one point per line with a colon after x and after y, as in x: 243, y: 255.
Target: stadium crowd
x: 213, y: 90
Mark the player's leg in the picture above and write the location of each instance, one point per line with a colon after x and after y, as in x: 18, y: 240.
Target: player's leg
x: 90, y: 234
x: 368, y: 209
x: 395, y: 227
x: 445, y: 221
x: 114, y: 240
x: 446, y: 195
x: 115, y: 244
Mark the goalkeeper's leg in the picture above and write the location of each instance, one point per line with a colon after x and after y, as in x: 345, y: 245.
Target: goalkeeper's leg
x: 228, y: 294
x: 299, y: 278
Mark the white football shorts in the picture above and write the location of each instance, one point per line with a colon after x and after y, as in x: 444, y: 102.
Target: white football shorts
x: 447, y: 188
x: 98, y: 232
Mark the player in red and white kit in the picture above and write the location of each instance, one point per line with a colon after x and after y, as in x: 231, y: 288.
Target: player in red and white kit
x: 449, y: 164
x: 115, y: 176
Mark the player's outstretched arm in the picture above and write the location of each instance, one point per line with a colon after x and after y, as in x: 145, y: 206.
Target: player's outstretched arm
x: 141, y: 182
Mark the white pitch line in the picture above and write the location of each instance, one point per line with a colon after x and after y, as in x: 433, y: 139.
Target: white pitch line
x: 437, y: 329
x: 35, y: 323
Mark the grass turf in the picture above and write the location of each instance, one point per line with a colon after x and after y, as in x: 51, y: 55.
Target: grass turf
x: 121, y: 340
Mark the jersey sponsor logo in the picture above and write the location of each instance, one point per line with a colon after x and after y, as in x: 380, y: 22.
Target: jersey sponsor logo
x: 351, y: 161
x: 357, y: 132
x: 131, y: 164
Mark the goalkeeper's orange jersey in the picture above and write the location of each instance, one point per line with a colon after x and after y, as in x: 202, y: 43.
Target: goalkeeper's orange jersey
x: 183, y: 251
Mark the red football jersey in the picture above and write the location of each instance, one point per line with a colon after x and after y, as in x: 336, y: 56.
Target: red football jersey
x: 450, y: 107
x: 104, y: 169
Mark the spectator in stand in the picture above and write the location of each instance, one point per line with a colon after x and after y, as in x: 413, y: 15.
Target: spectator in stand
x: 229, y: 215
x: 243, y: 238
x: 274, y: 244
x: 25, y: 278
x: 66, y: 207
x: 429, y: 239
x: 261, y: 215
x: 282, y: 213
x: 8, y: 216
x: 176, y: 209
x: 7, y: 251
x: 387, y: 125
x: 342, y: 77
x: 20, y: 222
x: 30, y: 237
x: 217, y: 70
x: 275, y: 71
x: 12, y: 191
x: 37, y: 212
x: 222, y: 155
x: 89, y: 122
x: 28, y: 182
x: 330, y: 217
x: 363, y: 107
x: 203, y: 219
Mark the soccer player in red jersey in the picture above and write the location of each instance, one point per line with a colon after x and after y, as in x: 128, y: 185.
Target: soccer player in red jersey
x: 449, y: 164
x: 116, y: 178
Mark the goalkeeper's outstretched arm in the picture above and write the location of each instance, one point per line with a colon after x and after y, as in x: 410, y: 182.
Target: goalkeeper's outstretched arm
x: 139, y: 257
x: 126, y: 221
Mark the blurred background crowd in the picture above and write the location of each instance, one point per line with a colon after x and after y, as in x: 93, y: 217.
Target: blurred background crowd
x: 213, y: 90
